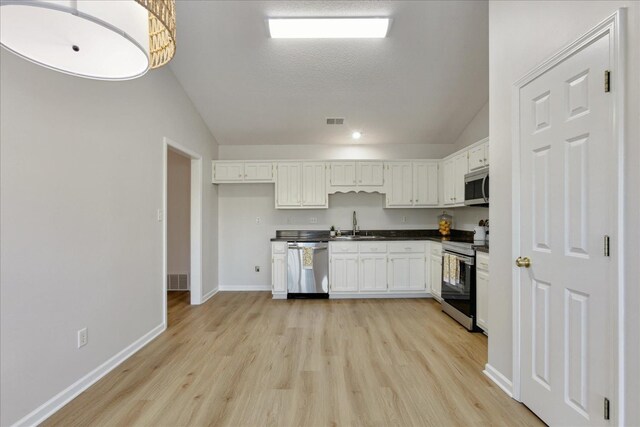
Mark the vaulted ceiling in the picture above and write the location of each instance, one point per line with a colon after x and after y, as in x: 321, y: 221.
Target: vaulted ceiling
x: 421, y: 84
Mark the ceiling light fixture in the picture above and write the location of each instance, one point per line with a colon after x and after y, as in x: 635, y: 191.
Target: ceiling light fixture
x: 356, y: 135
x: 328, y: 28
x: 104, y: 40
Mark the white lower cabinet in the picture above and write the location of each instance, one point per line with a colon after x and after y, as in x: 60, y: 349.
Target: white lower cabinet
x: 482, y: 291
x: 343, y: 275
x: 407, y: 272
x: 373, y: 272
x: 279, y: 269
x: 435, y: 270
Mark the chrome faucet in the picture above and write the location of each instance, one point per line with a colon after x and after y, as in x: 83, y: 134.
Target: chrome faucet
x: 355, y: 223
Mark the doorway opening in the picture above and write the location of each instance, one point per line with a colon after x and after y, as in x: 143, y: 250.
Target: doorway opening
x: 182, y: 236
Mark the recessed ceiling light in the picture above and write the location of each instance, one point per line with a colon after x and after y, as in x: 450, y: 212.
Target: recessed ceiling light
x: 328, y: 28
x: 356, y: 135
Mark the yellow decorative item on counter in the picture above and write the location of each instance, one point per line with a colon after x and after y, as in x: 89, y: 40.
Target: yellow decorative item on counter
x: 444, y: 224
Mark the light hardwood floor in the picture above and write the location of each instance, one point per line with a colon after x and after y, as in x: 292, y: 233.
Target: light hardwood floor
x: 243, y: 359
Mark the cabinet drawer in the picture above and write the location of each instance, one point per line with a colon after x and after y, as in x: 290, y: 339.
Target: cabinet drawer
x: 343, y: 247
x: 407, y: 247
x: 436, y: 249
x: 482, y: 261
x: 372, y: 247
x: 279, y: 247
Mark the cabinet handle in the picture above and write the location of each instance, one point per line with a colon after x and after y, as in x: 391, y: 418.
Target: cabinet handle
x: 417, y: 200
x: 239, y: 175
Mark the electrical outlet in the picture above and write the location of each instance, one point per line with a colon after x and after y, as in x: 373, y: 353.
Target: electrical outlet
x: 313, y: 220
x: 83, y: 337
x: 258, y: 220
x: 289, y: 220
x: 257, y: 268
x: 404, y: 219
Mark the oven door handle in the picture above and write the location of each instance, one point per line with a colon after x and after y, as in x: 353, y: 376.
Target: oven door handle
x: 483, y: 184
x: 466, y: 260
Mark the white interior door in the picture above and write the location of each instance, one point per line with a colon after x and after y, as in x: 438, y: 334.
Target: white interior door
x: 567, y: 208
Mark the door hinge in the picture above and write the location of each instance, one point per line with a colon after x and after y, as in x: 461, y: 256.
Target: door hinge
x: 606, y: 246
x: 606, y: 409
x: 607, y: 81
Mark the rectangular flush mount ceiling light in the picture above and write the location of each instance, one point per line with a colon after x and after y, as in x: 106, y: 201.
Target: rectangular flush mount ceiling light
x: 328, y: 28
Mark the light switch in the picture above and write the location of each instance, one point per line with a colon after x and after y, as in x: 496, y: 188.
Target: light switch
x: 160, y: 215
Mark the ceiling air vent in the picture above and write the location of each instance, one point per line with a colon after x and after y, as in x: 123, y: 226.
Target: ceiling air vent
x: 335, y: 121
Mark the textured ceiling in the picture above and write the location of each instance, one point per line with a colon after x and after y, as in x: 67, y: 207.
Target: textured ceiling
x: 422, y: 84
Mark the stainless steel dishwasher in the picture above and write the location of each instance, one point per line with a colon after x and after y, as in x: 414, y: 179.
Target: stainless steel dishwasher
x: 308, y: 270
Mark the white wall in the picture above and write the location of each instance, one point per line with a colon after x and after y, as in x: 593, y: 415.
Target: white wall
x: 522, y: 35
x: 178, y: 213
x: 337, y: 152
x: 477, y: 129
x: 81, y: 180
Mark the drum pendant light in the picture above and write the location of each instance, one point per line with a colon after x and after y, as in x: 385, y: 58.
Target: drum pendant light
x: 95, y: 39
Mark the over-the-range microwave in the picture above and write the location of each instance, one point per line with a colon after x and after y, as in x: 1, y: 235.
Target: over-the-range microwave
x: 476, y: 188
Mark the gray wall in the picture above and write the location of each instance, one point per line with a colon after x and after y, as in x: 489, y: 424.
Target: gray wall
x: 522, y: 34
x: 82, y: 179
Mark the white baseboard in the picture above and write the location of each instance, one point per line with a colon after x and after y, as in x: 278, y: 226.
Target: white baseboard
x: 245, y: 288
x: 58, y: 401
x: 498, y: 378
x: 211, y: 293
x: 356, y: 295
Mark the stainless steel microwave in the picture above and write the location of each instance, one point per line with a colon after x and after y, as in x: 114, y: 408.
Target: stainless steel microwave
x: 476, y: 188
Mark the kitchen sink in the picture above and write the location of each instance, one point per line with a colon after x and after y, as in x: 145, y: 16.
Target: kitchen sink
x: 351, y: 237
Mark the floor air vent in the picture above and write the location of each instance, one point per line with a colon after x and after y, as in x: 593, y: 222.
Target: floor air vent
x: 178, y: 282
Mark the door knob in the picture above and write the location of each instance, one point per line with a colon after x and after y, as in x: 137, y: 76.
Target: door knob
x: 523, y: 262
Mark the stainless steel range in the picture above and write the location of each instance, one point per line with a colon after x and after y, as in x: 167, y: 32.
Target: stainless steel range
x: 459, y: 283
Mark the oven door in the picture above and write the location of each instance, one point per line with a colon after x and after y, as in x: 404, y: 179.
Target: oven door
x: 460, y: 297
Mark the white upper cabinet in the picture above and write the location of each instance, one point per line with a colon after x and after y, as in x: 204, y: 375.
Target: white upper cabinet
x: 479, y: 156
x: 370, y: 173
x: 258, y: 171
x: 228, y: 172
x: 399, y: 184
x: 301, y: 185
x: 454, y: 170
x: 288, y: 180
x: 314, y: 185
x: 425, y: 183
x: 343, y: 174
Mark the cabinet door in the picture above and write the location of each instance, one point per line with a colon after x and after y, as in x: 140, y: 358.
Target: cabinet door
x: 373, y: 272
x: 229, y: 172
x: 344, y: 273
x: 407, y: 272
x: 370, y: 174
x: 449, y: 182
x: 482, y: 299
x: 279, y: 272
x: 400, y: 184
x: 258, y: 171
x: 343, y: 174
x: 486, y: 154
x: 288, y: 185
x: 476, y: 157
x: 425, y: 183
x: 435, y: 273
x: 314, y: 188
x: 461, y: 169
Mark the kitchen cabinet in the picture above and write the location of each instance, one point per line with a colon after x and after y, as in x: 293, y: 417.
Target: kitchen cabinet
x: 370, y: 174
x: 279, y: 269
x: 412, y: 184
x: 301, y: 185
x: 482, y: 291
x: 479, y: 156
x: 454, y: 170
x: 435, y: 270
x: 373, y: 272
x: 228, y: 172
x: 407, y: 272
x: 343, y: 174
x: 343, y: 273
x: 425, y: 183
x: 258, y: 171
x: 314, y: 190
x: 288, y: 192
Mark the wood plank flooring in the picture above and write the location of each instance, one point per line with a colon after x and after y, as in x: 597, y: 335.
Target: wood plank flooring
x: 243, y: 359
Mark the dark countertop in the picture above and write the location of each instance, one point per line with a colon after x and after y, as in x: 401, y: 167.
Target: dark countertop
x: 482, y: 248
x: 379, y: 235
